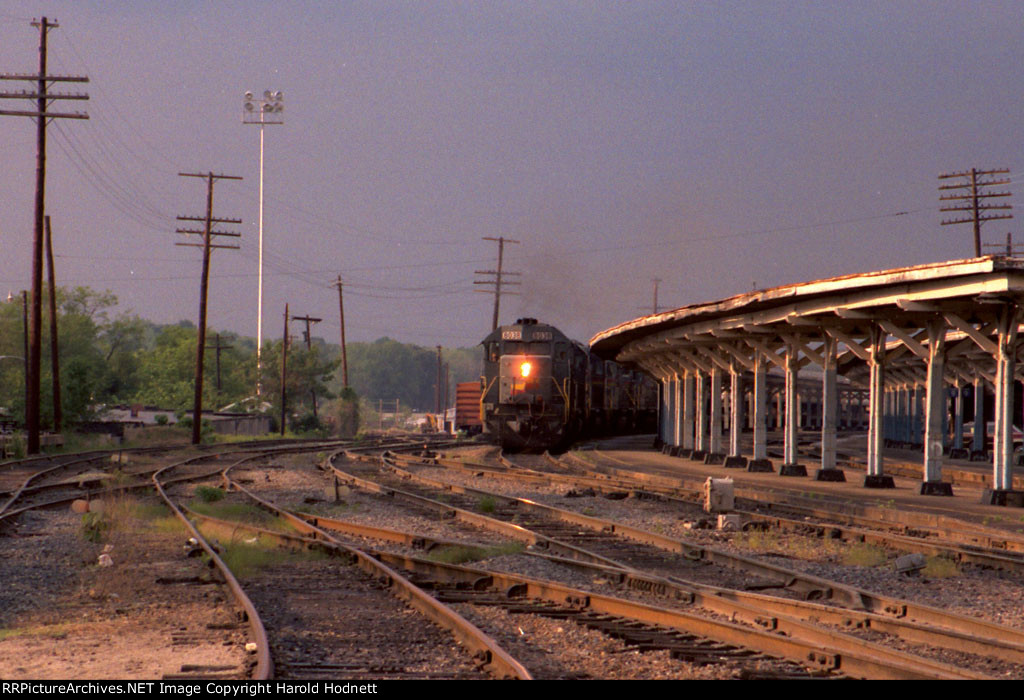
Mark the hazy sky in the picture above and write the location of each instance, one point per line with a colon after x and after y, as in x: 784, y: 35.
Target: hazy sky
x: 716, y: 145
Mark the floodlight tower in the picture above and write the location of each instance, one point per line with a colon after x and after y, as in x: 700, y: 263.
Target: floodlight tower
x: 269, y: 110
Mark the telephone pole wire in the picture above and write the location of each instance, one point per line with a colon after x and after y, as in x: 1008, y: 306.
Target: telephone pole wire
x: 42, y: 115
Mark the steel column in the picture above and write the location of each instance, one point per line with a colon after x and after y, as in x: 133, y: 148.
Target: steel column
x: 736, y: 406
x: 689, y: 387
x: 715, y: 424
x: 675, y: 411
x: 1002, y: 457
x: 792, y: 420
x: 934, y: 436
x: 760, y: 409
x: 980, y: 429
x: 702, y: 415
x: 876, y: 363
x: 829, y: 403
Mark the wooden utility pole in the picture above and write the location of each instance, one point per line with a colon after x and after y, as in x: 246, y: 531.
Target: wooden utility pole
x: 344, y: 351
x: 24, y: 338
x: 437, y: 387
x: 284, y: 367
x: 309, y: 346
x: 499, y: 276
x: 42, y: 115
x: 973, y: 201
x: 447, y: 366
x: 207, y: 245
x: 1009, y: 248
x: 218, y: 348
x: 657, y: 281
x: 58, y: 413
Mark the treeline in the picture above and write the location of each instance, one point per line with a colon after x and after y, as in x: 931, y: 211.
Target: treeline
x: 110, y: 358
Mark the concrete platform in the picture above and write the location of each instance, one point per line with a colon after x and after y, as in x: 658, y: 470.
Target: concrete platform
x: 970, y: 481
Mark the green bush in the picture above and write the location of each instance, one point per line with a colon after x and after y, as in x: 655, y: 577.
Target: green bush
x: 209, y: 494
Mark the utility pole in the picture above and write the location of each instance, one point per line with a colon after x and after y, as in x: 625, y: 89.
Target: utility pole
x: 447, y: 366
x: 309, y: 346
x: 218, y: 348
x: 344, y: 351
x: 499, y: 275
x: 58, y: 413
x: 1009, y: 248
x: 207, y: 245
x: 42, y: 115
x: 24, y: 338
x: 657, y: 281
x: 437, y: 387
x: 973, y: 201
x: 284, y: 367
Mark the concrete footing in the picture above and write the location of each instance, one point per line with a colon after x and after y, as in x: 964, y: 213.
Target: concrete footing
x: 936, y: 488
x: 879, y: 481
x: 792, y: 470
x: 760, y: 465
x: 830, y: 475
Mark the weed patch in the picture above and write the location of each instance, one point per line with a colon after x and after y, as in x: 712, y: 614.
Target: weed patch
x: 466, y: 554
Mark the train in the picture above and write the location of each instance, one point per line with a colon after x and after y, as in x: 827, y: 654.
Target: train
x: 540, y: 390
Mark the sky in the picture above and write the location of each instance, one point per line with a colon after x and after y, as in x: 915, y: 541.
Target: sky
x: 718, y: 146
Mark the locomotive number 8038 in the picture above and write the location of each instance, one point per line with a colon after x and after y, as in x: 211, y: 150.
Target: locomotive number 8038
x: 541, y: 390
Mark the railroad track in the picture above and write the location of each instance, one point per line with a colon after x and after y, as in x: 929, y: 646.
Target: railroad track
x: 645, y: 626
x: 377, y: 640
x: 918, y: 624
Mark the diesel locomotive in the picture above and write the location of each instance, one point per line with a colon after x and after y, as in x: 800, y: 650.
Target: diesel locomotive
x: 541, y: 390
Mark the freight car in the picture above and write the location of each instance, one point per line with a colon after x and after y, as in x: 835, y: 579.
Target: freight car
x: 541, y: 390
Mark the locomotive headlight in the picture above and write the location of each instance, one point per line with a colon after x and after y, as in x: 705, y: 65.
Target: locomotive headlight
x: 524, y: 369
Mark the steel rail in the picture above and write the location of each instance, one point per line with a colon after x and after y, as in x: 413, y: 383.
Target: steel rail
x: 798, y: 619
x: 797, y: 581
x: 264, y: 669
x: 863, y: 601
x: 990, y: 557
x: 805, y: 643
x: 984, y: 545
x: 484, y: 648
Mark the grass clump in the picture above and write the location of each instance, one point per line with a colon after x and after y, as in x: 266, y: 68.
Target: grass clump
x: 861, y: 554
x: 58, y: 631
x: 209, y: 494
x: 242, y: 512
x: 487, y: 505
x: 468, y: 553
x: 940, y: 567
x: 246, y: 558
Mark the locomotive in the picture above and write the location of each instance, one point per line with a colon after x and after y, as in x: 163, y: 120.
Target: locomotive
x: 541, y: 390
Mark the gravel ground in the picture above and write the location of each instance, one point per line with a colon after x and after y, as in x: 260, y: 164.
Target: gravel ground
x: 62, y: 616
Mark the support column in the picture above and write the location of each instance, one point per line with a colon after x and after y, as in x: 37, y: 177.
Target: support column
x: 689, y: 388
x: 979, y: 443
x: 958, y: 418
x: 700, y: 404
x: 715, y: 424
x: 1002, y: 457
x: 876, y: 363
x: 736, y: 404
x: 760, y: 452
x: 829, y: 409
x: 935, y: 404
x: 676, y: 402
x: 792, y: 419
